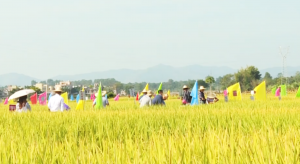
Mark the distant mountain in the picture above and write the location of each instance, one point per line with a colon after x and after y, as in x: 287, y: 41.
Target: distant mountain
x: 154, y: 74
x: 15, y: 79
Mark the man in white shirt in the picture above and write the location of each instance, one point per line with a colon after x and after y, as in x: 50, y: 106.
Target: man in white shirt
x: 56, y: 102
x: 146, y: 99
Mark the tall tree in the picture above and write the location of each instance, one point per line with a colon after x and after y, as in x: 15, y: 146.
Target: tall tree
x: 248, y: 77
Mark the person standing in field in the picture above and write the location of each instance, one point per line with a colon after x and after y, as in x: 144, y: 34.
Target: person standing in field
x: 104, y: 99
x: 146, y: 99
x: 201, y: 95
x: 144, y: 93
x: 159, y: 99
x: 56, y: 102
x: 186, y: 97
x: 22, y: 105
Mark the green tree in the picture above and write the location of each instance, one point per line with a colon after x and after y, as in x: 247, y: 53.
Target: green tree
x: 248, y: 77
x: 210, y: 80
x: 226, y: 81
x: 268, y: 78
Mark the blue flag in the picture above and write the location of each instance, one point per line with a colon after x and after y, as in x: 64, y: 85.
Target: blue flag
x: 72, y: 98
x: 77, y: 98
x: 194, y: 94
x: 49, y: 96
x: 106, y: 96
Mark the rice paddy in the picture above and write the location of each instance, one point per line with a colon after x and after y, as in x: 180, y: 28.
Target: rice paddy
x: 234, y: 132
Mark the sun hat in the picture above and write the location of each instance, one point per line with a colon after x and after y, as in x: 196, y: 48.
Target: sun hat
x: 149, y: 93
x: 201, y: 88
x: 103, y: 93
x: 165, y: 96
x: 58, y: 89
x: 185, y: 87
x: 144, y: 91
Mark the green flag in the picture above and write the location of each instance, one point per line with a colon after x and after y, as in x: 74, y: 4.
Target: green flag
x: 159, y: 88
x: 283, y: 90
x: 99, y: 104
x: 298, y: 93
x: 274, y: 90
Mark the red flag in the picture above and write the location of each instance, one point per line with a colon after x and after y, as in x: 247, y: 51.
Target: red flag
x: 137, y: 97
x: 33, y: 99
x: 43, y: 98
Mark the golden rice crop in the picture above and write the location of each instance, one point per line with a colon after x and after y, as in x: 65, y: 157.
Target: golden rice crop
x: 234, y: 132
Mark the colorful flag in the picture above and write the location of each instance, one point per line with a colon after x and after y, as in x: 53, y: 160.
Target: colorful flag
x: 6, y: 101
x: 33, y: 99
x: 117, y: 98
x: 298, y: 93
x: 137, y: 97
x: 99, y: 104
x: 277, y: 93
x: 72, y: 98
x: 77, y: 98
x: 65, y: 97
x: 93, y: 97
x: 283, y: 90
x: 106, y: 96
x: 274, y: 90
x: 146, y: 87
x: 260, y: 91
x: 234, y: 92
x: 43, y: 98
x: 159, y: 88
x: 194, y: 94
x: 49, y: 96
x: 169, y: 94
x: 11, y: 102
x: 80, y: 104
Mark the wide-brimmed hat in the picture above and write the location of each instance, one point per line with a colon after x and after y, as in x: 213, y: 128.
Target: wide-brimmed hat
x: 165, y: 96
x: 201, y: 88
x: 185, y: 87
x: 58, y: 89
x: 144, y: 91
x: 103, y: 93
x: 149, y: 93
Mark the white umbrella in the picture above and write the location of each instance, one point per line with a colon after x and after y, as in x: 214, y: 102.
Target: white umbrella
x: 21, y: 93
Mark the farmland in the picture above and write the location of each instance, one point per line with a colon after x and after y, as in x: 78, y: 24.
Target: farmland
x: 235, y: 132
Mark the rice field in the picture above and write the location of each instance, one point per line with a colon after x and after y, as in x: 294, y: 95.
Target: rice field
x: 234, y: 132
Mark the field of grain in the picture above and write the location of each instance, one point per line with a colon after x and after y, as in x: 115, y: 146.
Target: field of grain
x: 234, y: 132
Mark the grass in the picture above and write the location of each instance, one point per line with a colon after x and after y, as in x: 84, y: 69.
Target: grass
x: 234, y: 132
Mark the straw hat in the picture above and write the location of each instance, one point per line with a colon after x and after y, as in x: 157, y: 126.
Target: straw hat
x: 103, y: 93
x: 185, y: 87
x: 149, y: 93
x: 165, y: 96
x: 144, y: 91
x: 58, y: 89
x: 201, y: 88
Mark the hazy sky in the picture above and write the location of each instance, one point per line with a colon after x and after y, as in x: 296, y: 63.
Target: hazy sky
x: 47, y: 38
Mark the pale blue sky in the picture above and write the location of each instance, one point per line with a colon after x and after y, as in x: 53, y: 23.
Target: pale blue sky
x: 79, y: 36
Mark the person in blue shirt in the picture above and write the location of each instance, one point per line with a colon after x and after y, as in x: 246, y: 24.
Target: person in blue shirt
x: 159, y: 99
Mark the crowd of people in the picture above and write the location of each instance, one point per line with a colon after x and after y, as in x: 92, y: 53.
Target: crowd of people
x: 56, y: 102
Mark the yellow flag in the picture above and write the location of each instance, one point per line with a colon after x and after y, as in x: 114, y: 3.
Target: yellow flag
x: 261, y: 93
x: 234, y: 92
x: 65, y: 97
x: 80, y: 104
x: 169, y: 94
x: 10, y: 102
x: 146, y: 87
